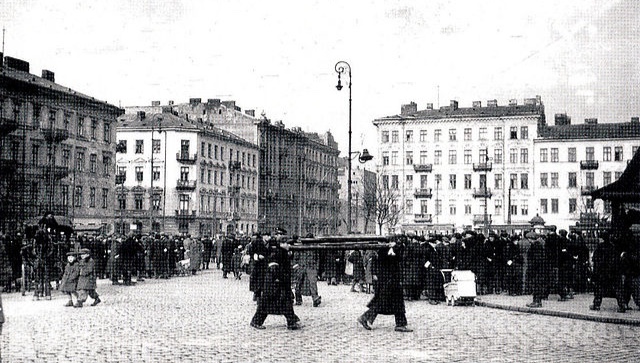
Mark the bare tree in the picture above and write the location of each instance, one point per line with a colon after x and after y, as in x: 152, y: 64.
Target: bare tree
x: 387, y: 209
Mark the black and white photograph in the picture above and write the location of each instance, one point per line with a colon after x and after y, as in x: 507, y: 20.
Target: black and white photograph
x: 319, y: 181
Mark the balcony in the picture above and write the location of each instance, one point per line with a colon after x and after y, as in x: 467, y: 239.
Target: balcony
x: 185, y: 158
x: 423, y: 193
x: 185, y: 214
x: 185, y: 184
x: 233, y: 189
x: 479, y: 218
x: 589, y: 164
x: 482, y: 193
x: 587, y: 189
x: 423, y: 218
x: 120, y: 179
x: 234, y: 165
x: 482, y: 167
x: 423, y: 168
x: 7, y: 124
x: 55, y: 134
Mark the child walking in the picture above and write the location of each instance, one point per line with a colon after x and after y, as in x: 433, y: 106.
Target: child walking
x: 87, y: 280
x: 70, y: 278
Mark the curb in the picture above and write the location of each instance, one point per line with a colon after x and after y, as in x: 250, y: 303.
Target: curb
x: 561, y: 314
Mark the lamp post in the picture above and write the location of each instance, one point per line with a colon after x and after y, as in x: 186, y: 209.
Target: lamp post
x: 341, y: 68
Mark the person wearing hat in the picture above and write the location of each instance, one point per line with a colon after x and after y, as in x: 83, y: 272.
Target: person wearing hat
x: 229, y: 244
x: 537, y: 269
x: 69, y: 282
x: 87, y: 279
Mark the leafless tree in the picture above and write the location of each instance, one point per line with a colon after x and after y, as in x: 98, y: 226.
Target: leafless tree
x: 387, y: 207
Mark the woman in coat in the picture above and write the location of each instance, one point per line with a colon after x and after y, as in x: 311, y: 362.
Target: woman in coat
x: 387, y: 298
x: 193, y: 248
x: 69, y: 282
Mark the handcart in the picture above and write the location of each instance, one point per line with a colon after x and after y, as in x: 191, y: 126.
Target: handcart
x: 459, y: 287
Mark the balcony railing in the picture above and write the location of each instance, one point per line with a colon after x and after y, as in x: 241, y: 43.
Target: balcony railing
x: 185, y: 158
x: 185, y: 184
x: 233, y: 189
x: 423, y: 193
x: 423, y: 218
x: 120, y: 179
x: 589, y: 164
x: 185, y: 214
x: 235, y: 165
x: 482, y: 193
x: 479, y: 218
x: 55, y: 134
x: 587, y: 189
x: 423, y: 168
x: 482, y: 166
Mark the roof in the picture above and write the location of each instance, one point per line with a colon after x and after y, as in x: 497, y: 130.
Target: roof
x: 627, y: 188
x: 591, y: 131
x: 467, y: 112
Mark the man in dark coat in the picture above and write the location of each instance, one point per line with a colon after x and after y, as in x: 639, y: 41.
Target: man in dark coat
x: 305, y: 265
x: 565, y: 266
x: 387, y: 298
x: 128, y: 258
x: 536, y: 269
x: 228, y: 245
x: 258, y: 249
x: 607, y: 274
x: 276, y: 298
x: 434, y: 281
x: 207, y: 246
x: 413, y: 271
x: 513, y: 266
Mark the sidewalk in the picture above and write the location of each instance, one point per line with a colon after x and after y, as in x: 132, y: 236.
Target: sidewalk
x: 576, y: 308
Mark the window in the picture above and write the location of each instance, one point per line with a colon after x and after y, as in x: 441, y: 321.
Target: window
x: 524, y: 132
x: 589, y: 178
x: 606, y: 153
x: 544, y: 156
x: 513, y: 181
x: 394, y: 136
x: 498, y: 181
x: 573, y: 179
x: 202, y: 176
x: 184, y: 173
x: 467, y: 134
x: 573, y: 205
x: 423, y: 135
x: 106, y: 165
x: 122, y: 170
x: 424, y: 206
x: 543, y: 206
x: 409, y: 136
x: 409, y: 157
x: 468, y: 158
x: 122, y: 201
x: 436, y: 135
x: 203, y: 148
x: 452, y: 135
x: 513, y: 132
x: 590, y: 154
x: 467, y: 207
x: 78, y: 197
x: 155, y: 146
x: 437, y: 157
x: 80, y: 126
x: 93, y: 163
x: 138, y: 202
x: 183, y: 202
x: 394, y: 158
x: 385, y: 182
x: 497, y: 133
x: 65, y: 196
x: 572, y: 155
x: 394, y: 182
x: 618, y: 174
x: 498, y: 207
x: 385, y: 136
x: 497, y: 156
x: 208, y: 176
x: 438, y: 178
x: 618, y: 156
x: 467, y: 181
x: 156, y: 173
x: 105, y: 197
x: 209, y: 151
x: 483, y: 181
x: 438, y: 206
x: 554, y: 180
x: 423, y: 181
x: 524, y: 156
x: 139, y: 146
x: 554, y: 206
x: 94, y: 126
x: 66, y: 155
x: 409, y: 182
x: 423, y: 157
x: 482, y: 134
x: 544, y: 180
x: 453, y: 157
x: 139, y: 173
x: 385, y: 158
x: 92, y: 197
x: 589, y: 203
x: 452, y: 207
x: 554, y: 155
x: 452, y: 181
x: 513, y: 208
x: 80, y: 161
x: 215, y: 152
x: 34, y: 154
x: 513, y: 155
x: 524, y: 207
x: 106, y: 129
x: 409, y: 205
x: 524, y: 181
x: 606, y: 178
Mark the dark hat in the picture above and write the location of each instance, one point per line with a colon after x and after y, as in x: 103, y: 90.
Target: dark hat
x: 280, y: 231
x: 72, y: 254
x: 85, y: 251
x: 532, y: 235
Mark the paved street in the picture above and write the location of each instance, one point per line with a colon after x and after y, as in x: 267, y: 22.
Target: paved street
x: 206, y: 319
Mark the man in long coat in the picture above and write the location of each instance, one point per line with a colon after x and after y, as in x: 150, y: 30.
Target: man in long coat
x: 607, y: 274
x: 259, y: 251
x: 228, y: 245
x: 305, y: 264
x: 537, y: 269
x: 387, y: 298
x: 207, y: 248
x: 193, y: 248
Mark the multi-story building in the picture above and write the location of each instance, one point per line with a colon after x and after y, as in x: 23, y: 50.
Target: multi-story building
x: 56, y: 153
x: 179, y: 175
x: 498, y: 166
x: 363, y: 199
x: 298, y: 183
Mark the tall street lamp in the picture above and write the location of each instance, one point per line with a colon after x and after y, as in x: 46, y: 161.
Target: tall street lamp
x: 343, y: 67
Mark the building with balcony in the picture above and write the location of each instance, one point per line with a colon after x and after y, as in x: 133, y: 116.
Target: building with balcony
x: 363, y: 198
x: 57, y: 151
x: 180, y: 176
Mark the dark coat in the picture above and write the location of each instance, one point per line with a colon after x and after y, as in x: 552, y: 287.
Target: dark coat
x: 69, y: 281
x: 87, y: 278
x: 358, y: 265
x: 207, y: 249
x: 388, y: 295
x: 276, y: 297
x: 413, y: 265
x: 606, y: 264
x: 536, y: 268
x: 256, y: 279
x: 228, y: 246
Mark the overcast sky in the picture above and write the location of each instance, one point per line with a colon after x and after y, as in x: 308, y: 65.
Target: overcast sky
x: 581, y: 57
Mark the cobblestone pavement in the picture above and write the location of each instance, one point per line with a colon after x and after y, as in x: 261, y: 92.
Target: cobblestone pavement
x: 205, y: 318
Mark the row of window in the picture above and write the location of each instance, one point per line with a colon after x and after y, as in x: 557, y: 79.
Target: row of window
x: 515, y: 156
x: 78, y: 196
x: 208, y: 203
x: 608, y: 154
x: 453, y: 134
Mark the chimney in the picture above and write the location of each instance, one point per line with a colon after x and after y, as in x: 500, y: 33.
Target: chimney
x: 562, y: 119
x: 213, y: 102
x: 251, y: 113
x: 229, y: 104
x: 429, y: 106
x: 167, y: 109
x: 194, y: 101
x: 513, y: 102
x: 141, y: 115
x: 453, y: 104
x: 170, y: 103
x: 531, y: 101
x: 17, y: 64
x: 591, y: 121
x: 48, y: 75
x: 635, y: 120
x: 408, y: 109
x: 492, y: 103
x: 477, y: 104
x: 155, y: 103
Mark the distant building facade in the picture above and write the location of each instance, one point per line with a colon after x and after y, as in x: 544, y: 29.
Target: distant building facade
x: 363, y: 199
x: 181, y: 176
x: 57, y: 151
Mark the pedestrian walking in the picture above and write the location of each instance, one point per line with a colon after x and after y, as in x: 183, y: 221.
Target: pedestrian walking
x: 387, y: 297
x: 536, y: 269
x: 207, y: 248
x: 305, y: 265
x: 258, y: 250
x: 69, y: 283
x: 87, y: 279
x: 356, y: 259
x: 607, y: 274
x: 193, y: 248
